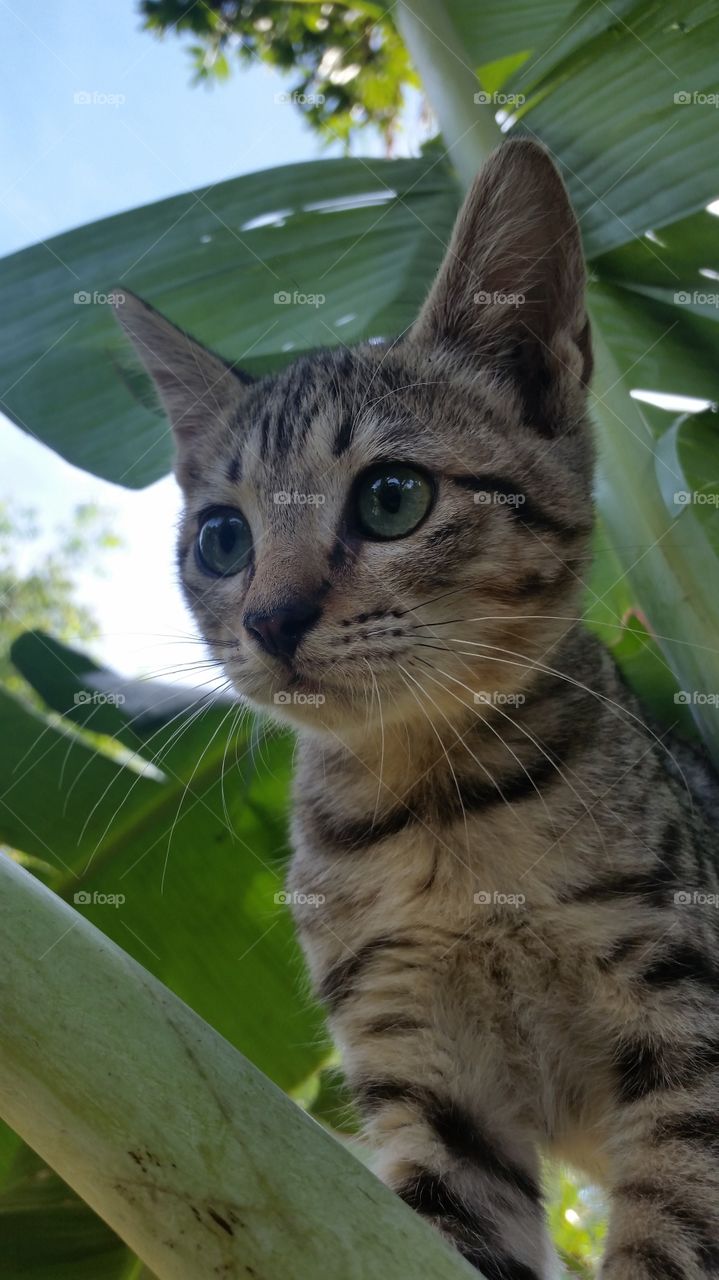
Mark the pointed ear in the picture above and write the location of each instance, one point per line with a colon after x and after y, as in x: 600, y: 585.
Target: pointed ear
x: 197, y: 388
x: 510, y: 292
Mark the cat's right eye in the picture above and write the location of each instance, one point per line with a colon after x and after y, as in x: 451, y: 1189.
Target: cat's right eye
x: 224, y: 542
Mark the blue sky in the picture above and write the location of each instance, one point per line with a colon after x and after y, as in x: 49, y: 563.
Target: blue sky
x: 66, y: 163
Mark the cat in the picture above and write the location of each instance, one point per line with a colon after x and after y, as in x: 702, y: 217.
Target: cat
x: 503, y: 879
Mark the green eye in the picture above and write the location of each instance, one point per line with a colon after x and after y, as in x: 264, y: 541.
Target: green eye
x: 224, y: 543
x: 392, y: 500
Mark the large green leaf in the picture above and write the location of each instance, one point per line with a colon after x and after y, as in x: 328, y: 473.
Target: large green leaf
x: 193, y: 845
x: 496, y: 29
x: 352, y: 244
x: 605, y: 88
x: 689, y: 450
x: 603, y: 98
x: 48, y: 1233
x: 659, y: 346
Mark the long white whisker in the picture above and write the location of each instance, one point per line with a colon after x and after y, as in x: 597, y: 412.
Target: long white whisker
x: 556, y: 617
x: 560, y: 675
x: 461, y: 740
x: 188, y: 784
x: 380, y: 784
x: 171, y: 696
x: 530, y: 736
x: 192, y: 715
x: 441, y: 743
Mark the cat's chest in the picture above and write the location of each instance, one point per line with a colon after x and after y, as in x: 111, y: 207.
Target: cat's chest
x: 473, y: 906
x: 464, y: 896
x: 403, y: 862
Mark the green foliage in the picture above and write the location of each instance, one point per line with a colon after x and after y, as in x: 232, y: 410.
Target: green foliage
x: 37, y: 587
x: 153, y: 843
x: 577, y: 1220
x: 262, y: 267
x: 352, y: 66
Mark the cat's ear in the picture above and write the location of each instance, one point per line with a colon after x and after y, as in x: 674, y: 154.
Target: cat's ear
x: 510, y: 292
x: 197, y: 388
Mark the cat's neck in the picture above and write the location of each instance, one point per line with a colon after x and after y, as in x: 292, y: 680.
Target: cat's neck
x: 471, y: 734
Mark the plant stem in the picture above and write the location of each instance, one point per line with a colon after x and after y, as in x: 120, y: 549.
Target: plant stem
x: 469, y: 128
x: 201, y: 1164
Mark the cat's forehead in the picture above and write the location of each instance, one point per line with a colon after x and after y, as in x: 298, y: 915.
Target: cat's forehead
x: 320, y: 405
x: 348, y: 407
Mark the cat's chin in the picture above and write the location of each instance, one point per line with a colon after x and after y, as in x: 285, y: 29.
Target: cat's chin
x: 297, y: 699
x: 290, y: 697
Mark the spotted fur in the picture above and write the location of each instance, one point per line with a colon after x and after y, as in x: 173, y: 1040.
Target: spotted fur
x: 516, y: 933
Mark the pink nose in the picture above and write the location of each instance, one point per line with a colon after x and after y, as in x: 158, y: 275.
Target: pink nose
x: 280, y: 631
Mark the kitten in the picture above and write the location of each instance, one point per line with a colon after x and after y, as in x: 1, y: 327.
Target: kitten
x: 515, y: 941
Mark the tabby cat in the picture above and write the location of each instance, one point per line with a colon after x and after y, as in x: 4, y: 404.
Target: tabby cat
x: 503, y: 879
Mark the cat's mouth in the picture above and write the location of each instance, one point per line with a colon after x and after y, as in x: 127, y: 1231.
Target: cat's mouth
x: 284, y: 684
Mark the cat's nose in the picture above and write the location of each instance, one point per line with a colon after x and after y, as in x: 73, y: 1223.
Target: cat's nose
x: 280, y: 631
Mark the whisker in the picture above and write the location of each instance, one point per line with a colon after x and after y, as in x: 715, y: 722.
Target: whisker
x: 441, y: 743
x: 172, y: 693
x: 560, y: 675
x: 461, y: 739
x: 380, y: 784
x: 557, y: 617
x: 236, y: 722
x: 135, y: 755
x: 489, y: 726
x: 188, y: 784
x: 530, y: 736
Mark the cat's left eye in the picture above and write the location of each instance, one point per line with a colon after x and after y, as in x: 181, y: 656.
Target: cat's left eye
x: 224, y: 542
x: 392, y: 500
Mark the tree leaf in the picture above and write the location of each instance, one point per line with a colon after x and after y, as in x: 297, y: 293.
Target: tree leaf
x: 181, y: 869
x: 260, y: 268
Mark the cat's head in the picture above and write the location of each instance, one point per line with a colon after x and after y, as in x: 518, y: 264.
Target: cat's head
x: 387, y: 525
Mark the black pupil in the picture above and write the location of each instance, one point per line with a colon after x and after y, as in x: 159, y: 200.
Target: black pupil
x: 226, y: 533
x: 388, y: 491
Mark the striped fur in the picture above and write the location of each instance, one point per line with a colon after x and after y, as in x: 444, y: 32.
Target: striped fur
x: 505, y: 882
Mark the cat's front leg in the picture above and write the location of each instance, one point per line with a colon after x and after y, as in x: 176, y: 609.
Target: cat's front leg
x: 664, y: 1221
x: 446, y: 1153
